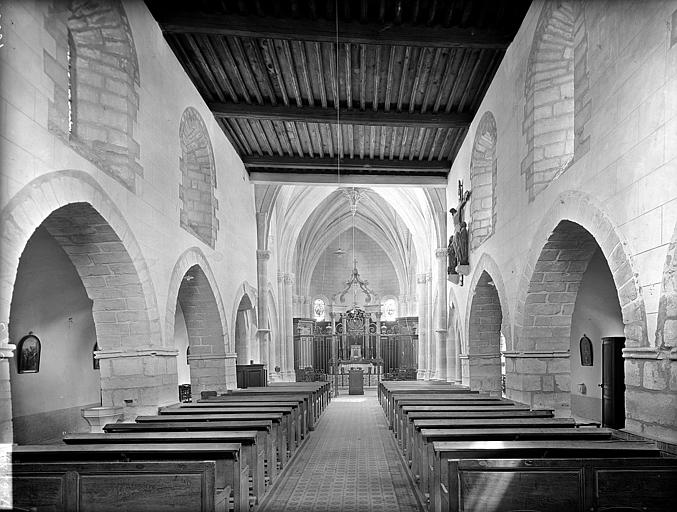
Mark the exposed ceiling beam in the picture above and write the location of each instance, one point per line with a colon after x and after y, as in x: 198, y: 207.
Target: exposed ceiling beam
x: 349, y: 166
x: 291, y: 178
x: 324, y: 31
x: 309, y: 114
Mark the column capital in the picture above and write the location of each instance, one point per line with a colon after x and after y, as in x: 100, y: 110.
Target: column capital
x: 289, y: 278
x: 441, y: 252
x: 262, y: 254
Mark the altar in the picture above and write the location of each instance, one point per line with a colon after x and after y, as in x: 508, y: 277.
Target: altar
x: 357, y: 362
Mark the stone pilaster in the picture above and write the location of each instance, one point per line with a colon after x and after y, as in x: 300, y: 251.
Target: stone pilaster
x: 6, y: 353
x: 651, y: 392
x: 540, y: 379
x: 139, y: 380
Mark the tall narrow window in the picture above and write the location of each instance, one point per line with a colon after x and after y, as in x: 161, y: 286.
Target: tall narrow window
x: 70, y: 56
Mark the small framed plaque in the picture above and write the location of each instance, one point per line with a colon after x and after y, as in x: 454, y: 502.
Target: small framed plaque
x: 586, y: 351
x: 28, y: 350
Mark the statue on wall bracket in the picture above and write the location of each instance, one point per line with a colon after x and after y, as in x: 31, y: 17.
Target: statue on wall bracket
x: 458, y: 242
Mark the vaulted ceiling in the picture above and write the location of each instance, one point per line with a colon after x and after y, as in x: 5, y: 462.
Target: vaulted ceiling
x: 382, y: 91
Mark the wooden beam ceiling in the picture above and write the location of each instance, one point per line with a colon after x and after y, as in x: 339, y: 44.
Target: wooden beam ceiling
x: 348, y: 165
x: 310, y: 114
x: 324, y: 31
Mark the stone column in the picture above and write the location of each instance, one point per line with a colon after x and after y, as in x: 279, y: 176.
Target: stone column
x: 334, y: 351
x: 262, y: 257
x: 289, y: 280
x: 441, y: 316
x: 430, y: 350
x: 421, y: 300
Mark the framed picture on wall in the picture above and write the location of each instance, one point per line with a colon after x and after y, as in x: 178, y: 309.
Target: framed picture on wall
x: 28, y: 354
x: 586, y: 351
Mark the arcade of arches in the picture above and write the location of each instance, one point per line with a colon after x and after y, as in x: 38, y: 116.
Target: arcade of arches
x: 139, y: 252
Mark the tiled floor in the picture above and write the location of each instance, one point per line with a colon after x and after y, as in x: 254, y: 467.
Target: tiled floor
x: 349, y: 463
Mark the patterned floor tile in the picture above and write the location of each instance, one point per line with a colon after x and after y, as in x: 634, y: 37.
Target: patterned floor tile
x: 349, y: 463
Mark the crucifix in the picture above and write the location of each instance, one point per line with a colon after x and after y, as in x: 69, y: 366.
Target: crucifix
x: 458, y: 242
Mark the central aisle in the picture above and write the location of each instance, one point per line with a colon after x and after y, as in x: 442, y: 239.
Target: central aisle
x: 349, y: 463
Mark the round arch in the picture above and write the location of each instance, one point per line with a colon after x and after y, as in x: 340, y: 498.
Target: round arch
x: 487, y: 264
x: 191, y: 257
x: 579, y: 208
x: 36, y: 201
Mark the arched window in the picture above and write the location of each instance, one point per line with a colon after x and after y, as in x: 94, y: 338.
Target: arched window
x: 319, y: 309
x: 389, y: 310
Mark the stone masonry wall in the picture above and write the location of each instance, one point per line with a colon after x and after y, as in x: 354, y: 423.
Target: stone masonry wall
x: 126, y: 169
x: 619, y: 186
x: 95, y: 72
x: 549, y: 107
x: 484, y: 337
x: 483, y: 182
x: 198, y: 179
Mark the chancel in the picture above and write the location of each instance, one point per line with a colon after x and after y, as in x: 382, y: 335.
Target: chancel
x: 407, y: 255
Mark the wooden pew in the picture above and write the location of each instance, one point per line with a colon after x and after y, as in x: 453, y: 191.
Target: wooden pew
x: 553, y: 485
x: 301, y: 401
x: 297, y: 412
x: 92, y: 486
x: 314, y: 395
x: 387, y: 389
x: 398, y: 401
x: 321, y: 389
x: 279, y: 425
x: 253, y: 443
x: 403, y: 411
x: 407, y: 434
x: 482, y: 423
x: 445, y: 450
x: 422, y: 454
x: 266, y: 427
x: 389, y: 400
x: 289, y: 419
x: 229, y: 472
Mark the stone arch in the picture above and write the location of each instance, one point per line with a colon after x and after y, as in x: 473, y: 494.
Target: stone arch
x: 549, y: 91
x: 198, y: 179
x: 572, y: 231
x: 579, y: 209
x: 487, y: 264
x: 95, y: 73
x: 205, y: 331
x: 482, y: 362
x: 244, y: 309
x: 453, y: 340
x: 191, y: 257
x: 483, y: 169
x: 93, y: 232
x: 666, y: 331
